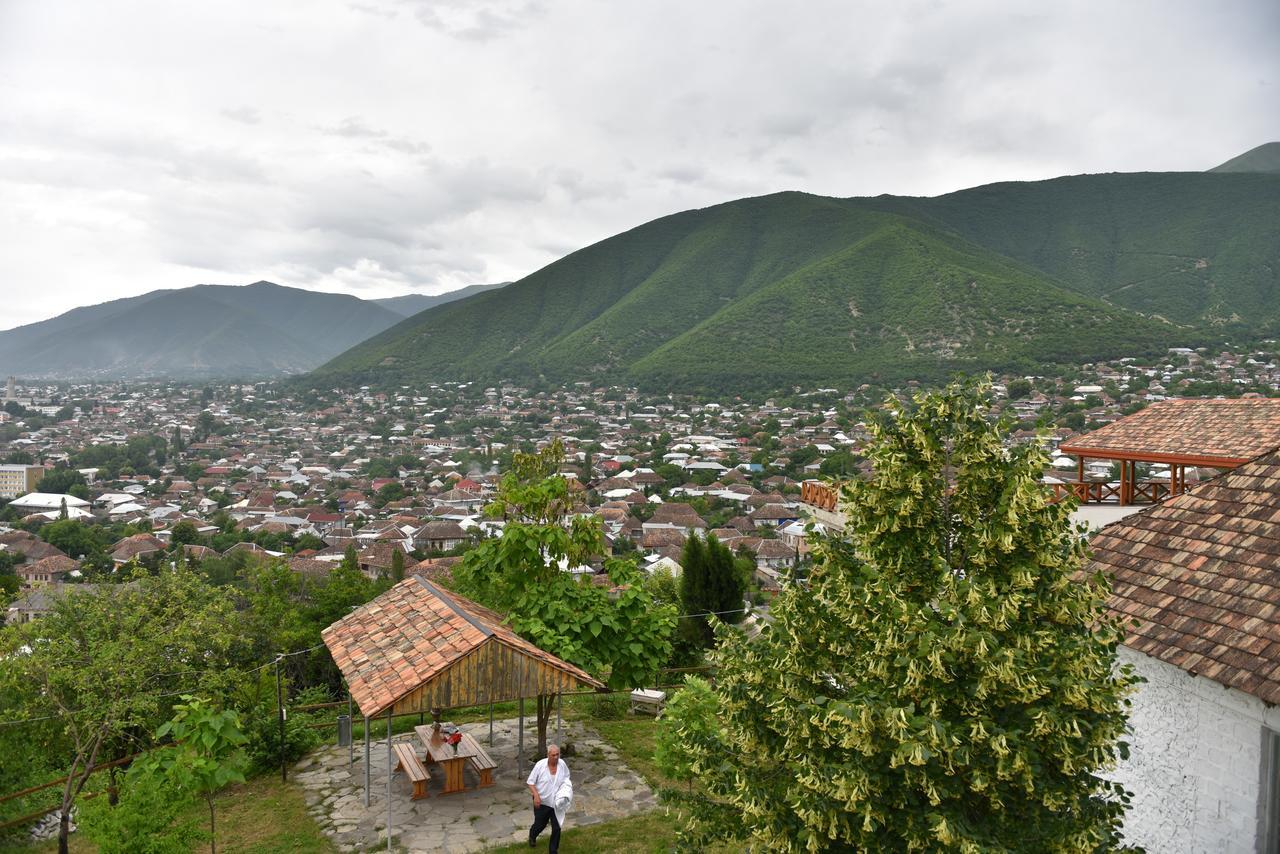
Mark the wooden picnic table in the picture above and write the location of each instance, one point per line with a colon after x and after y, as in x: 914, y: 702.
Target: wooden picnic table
x: 452, y: 762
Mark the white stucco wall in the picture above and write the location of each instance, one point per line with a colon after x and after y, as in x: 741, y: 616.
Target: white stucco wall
x: 1195, y: 764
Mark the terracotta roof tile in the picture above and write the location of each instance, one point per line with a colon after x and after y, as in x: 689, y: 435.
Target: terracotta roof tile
x: 1192, y: 429
x: 1201, y: 573
x: 413, y: 633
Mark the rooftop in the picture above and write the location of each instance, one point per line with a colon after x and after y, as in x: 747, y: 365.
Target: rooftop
x: 1199, y: 574
x: 1220, y: 433
x: 408, y: 640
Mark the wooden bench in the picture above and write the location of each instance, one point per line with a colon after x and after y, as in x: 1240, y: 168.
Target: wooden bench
x: 408, y: 762
x: 648, y: 700
x: 482, y: 762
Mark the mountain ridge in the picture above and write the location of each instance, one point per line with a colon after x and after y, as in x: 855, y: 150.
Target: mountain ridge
x: 1132, y: 255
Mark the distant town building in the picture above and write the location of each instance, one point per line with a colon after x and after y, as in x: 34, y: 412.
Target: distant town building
x: 18, y: 480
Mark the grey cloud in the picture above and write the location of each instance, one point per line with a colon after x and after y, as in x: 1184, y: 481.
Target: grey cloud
x: 399, y: 144
x: 477, y: 20
x: 244, y: 115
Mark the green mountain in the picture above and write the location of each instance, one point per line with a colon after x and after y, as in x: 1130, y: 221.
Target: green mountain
x: 1264, y: 158
x: 410, y: 304
x: 1196, y: 248
x: 793, y: 288
x: 204, y: 331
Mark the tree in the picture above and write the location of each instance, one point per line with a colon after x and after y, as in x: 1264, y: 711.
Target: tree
x: 1019, y: 389
x: 60, y: 481
x: 184, y: 533
x: 949, y: 675
x: 397, y: 565
x: 207, y: 753
x: 73, y: 537
x: 711, y: 589
x: 151, y: 817
x: 102, y: 662
x: 622, y: 638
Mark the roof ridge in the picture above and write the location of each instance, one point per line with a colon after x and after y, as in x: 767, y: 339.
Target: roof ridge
x: 461, y: 612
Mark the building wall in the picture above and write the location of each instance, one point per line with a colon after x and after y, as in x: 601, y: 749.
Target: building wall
x: 18, y: 480
x: 1196, y: 762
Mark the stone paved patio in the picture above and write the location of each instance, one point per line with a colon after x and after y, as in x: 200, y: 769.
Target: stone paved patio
x: 604, y: 789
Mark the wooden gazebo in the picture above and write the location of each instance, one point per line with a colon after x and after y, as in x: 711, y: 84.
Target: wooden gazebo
x: 1181, y: 433
x: 417, y: 648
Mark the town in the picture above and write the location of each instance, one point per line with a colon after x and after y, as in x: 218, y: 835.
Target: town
x: 262, y: 469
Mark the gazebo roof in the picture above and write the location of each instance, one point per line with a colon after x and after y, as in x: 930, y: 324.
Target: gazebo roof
x: 1221, y: 433
x: 1198, y: 574
x: 417, y: 647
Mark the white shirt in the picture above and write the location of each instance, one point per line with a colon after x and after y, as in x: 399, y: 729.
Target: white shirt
x: 542, y: 780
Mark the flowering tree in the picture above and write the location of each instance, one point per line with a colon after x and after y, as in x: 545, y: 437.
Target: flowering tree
x: 946, y: 681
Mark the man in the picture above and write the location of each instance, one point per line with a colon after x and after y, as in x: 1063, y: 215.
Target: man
x: 546, y: 778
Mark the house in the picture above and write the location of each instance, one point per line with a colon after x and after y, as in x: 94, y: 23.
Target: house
x: 1199, y: 575
x: 136, y: 546
x: 439, y: 536
x: 48, y: 570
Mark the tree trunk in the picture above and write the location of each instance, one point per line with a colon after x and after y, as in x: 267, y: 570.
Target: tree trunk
x: 546, y: 702
x: 213, y: 838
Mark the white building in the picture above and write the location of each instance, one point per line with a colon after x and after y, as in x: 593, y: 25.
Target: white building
x: 1200, y: 573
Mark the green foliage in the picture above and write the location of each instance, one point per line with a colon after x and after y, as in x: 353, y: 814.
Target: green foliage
x: 184, y: 533
x: 397, y: 566
x: 207, y: 753
x: 75, y: 537
x: 623, y: 637
x: 1019, y: 389
x: 152, y: 817
x: 689, y: 717
x: 1009, y: 276
x: 113, y: 656
x: 60, y: 481
x: 952, y: 684
x: 710, y: 584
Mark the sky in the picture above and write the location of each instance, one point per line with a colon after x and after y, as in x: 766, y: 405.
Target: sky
x: 383, y: 147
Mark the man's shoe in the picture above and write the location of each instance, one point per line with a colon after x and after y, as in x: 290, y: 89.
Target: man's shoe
x: 533, y: 843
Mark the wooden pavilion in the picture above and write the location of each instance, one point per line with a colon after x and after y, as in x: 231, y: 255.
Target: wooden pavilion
x: 1181, y: 433
x: 418, y: 648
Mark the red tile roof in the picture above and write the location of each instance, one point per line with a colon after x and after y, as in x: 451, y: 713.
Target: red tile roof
x: 1201, y: 574
x: 1195, y: 431
x: 412, y: 634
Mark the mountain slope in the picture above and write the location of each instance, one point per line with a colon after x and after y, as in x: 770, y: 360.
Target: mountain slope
x: 203, y: 331
x: 904, y: 302
x: 1264, y: 158
x: 758, y: 293
x: 1197, y: 248
x: 410, y: 304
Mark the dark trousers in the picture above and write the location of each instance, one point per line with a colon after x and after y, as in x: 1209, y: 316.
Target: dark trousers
x: 541, y: 815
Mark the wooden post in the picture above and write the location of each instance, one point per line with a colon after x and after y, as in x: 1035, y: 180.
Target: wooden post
x: 366, y: 760
x: 491, y: 724
x: 520, y: 739
x: 558, y: 704
x: 284, y: 773
x: 351, y: 742
x: 1124, y: 480
x: 1082, y: 490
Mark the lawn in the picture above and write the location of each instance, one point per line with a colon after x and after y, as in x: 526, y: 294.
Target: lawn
x: 263, y: 816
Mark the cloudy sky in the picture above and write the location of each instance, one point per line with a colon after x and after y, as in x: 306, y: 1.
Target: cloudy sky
x: 380, y: 147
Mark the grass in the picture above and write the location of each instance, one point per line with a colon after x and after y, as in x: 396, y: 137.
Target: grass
x: 263, y: 816
x: 648, y: 832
